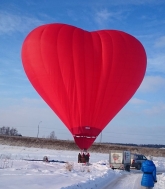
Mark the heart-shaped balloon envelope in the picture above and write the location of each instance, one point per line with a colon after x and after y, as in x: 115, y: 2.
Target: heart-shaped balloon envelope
x: 85, y: 77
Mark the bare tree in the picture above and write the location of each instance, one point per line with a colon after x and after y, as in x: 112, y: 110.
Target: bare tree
x: 7, y: 131
x: 3, y: 130
x: 13, y: 132
x: 52, y: 135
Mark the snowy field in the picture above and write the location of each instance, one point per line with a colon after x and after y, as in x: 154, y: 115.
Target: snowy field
x: 16, y: 172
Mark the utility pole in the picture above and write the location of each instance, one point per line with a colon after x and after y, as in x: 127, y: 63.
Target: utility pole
x: 100, y: 137
x: 38, y: 128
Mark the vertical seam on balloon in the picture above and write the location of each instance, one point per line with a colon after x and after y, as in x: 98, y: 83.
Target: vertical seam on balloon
x: 60, y: 68
x: 58, y: 113
x: 84, y: 87
x: 70, y: 120
x: 42, y: 56
x: 116, y: 85
x: 75, y: 84
x: 125, y: 65
x: 130, y: 83
x: 99, y: 82
x: 96, y: 93
x: 84, y: 76
x: 74, y: 77
x: 74, y: 65
x: 41, y: 47
x: 99, y: 78
x: 92, y: 112
x: 110, y: 70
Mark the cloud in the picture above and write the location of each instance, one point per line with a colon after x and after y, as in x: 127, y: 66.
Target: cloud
x: 160, y: 42
x: 157, y: 63
x: 157, y: 109
x: 16, y: 23
x: 103, y: 17
x: 152, y: 84
x: 137, y: 101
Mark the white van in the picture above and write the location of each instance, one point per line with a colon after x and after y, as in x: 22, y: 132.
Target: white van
x: 119, y: 159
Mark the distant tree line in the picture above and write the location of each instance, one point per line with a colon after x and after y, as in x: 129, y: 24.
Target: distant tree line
x: 139, y: 145
x: 152, y: 145
x: 9, y: 131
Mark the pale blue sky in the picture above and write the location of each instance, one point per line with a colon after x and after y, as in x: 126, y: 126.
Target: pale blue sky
x: 142, y: 120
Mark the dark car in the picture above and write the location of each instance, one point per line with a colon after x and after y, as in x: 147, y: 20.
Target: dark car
x: 137, y: 160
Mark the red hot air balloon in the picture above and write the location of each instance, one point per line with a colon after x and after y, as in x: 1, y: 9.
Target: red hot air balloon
x: 85, y: 77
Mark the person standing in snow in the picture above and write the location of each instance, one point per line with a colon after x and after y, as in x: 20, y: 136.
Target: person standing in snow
x: 149, y: 174
x: 87, y: 155
x: 80, y: 156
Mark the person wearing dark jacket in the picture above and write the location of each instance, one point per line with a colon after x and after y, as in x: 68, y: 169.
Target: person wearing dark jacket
x: 149, y: 174
x: 87, y: 155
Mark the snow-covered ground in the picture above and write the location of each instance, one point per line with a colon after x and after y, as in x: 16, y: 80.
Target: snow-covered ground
x: 15, y: 172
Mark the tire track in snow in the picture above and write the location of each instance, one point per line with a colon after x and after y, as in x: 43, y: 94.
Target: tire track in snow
x: 131, y: 181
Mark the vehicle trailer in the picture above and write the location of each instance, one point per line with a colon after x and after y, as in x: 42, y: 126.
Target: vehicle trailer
x: 119, y: 159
